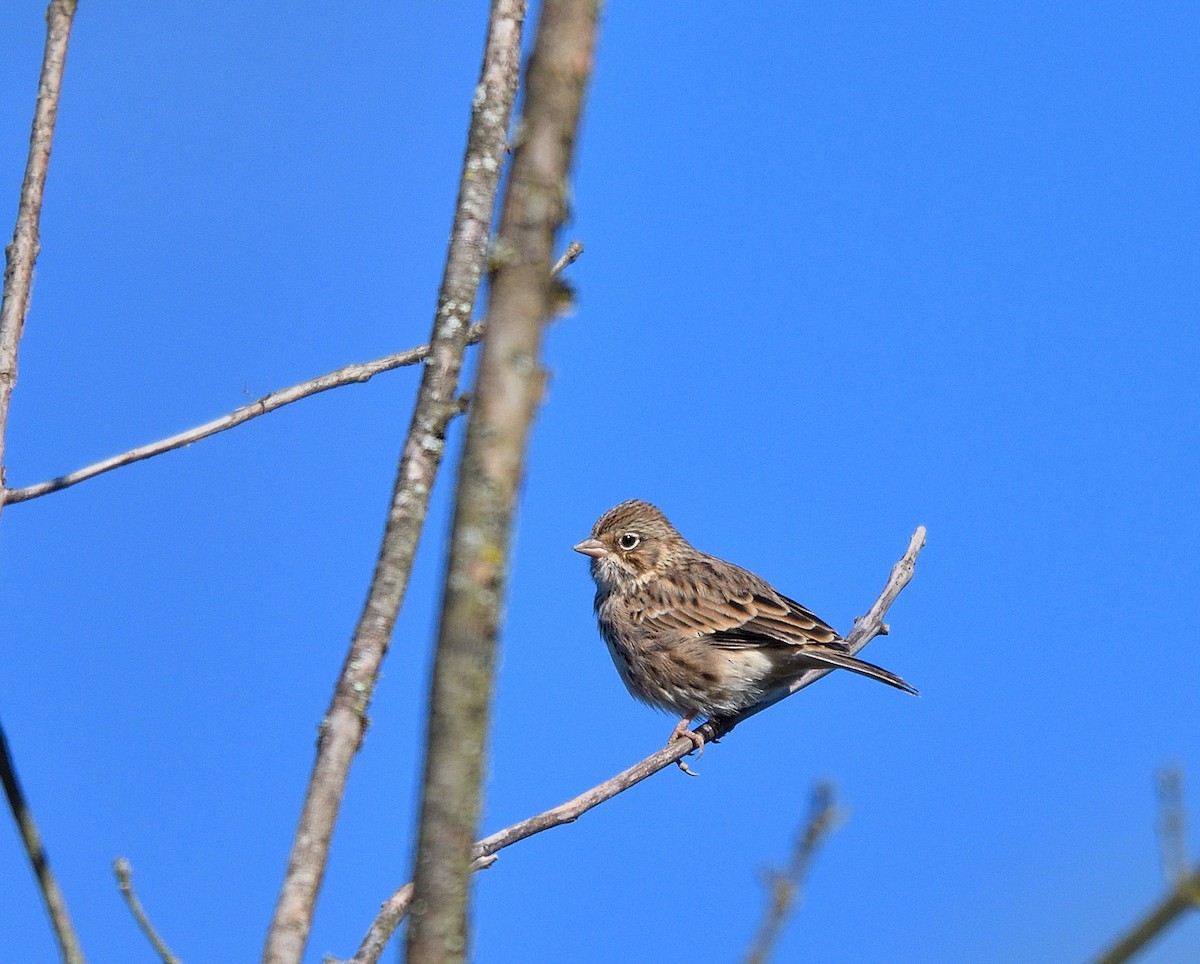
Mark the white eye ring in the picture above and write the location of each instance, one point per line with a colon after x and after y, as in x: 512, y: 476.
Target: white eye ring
x: 630, y: 541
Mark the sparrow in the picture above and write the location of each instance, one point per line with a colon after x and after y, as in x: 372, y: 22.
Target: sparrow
x: 695, y: 635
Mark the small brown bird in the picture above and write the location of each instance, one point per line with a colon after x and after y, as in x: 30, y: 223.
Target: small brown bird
x: 695, y: 635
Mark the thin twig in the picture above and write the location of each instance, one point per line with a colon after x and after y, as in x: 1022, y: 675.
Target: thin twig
x: 784, y: 887
x: 347, y: 375
x: 569, y: 257
x: 865, y: 629
x: 56, y: 905
x: 344, y: 725
x: 124, y: 874
x: 508, y: 388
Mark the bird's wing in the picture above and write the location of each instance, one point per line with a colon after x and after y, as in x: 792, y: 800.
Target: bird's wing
x: 773, y: 619
x: 745, y: 612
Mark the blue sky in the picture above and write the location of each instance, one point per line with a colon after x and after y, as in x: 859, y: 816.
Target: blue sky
x: 850, y: 268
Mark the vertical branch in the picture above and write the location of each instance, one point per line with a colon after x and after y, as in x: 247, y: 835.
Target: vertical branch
x: 20, y: 257
x: 21, y: 254
x: 508, y: 387
x: 342, y: 729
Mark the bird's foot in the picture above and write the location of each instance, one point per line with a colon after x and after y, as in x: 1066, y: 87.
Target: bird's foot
x: 681, y: 732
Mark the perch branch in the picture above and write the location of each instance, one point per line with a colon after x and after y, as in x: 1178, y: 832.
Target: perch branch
x: 507, y: 391
x: 865, y: 629
x: 124, y: 874
x: 344, y: 725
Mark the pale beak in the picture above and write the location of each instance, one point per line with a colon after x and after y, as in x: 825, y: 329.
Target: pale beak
x: 591, y: 547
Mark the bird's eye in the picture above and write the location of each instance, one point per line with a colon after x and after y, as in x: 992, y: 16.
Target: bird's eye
x: 629, y: 541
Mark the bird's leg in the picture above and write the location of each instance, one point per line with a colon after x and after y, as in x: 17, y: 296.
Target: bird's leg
x: 682, y: 732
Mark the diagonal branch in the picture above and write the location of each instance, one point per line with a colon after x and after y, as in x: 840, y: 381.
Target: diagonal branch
x: 347, y: 375
x: 865, y: 629
x: 508, y: 389
x: 344, y: 725
x: 52, y: 896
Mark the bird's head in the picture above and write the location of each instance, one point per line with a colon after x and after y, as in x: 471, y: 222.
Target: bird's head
x: 631, y: 543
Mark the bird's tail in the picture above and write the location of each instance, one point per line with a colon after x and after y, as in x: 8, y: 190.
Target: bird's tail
x: 831, y: 657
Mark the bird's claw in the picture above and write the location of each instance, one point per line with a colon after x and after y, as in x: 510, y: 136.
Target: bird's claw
x: 681, y: 732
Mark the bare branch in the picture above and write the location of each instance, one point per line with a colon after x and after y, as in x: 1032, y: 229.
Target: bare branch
x: 56, y: 905
x: 507, y: 391
x: 347, y: 375
x: 124, y: 874
x: 784, y: 887
x: 21, y: 254
x: 865, y: 629
x: 345, y: 721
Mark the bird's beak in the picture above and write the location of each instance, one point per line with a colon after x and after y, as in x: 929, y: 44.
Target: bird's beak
x: 591, y: 547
